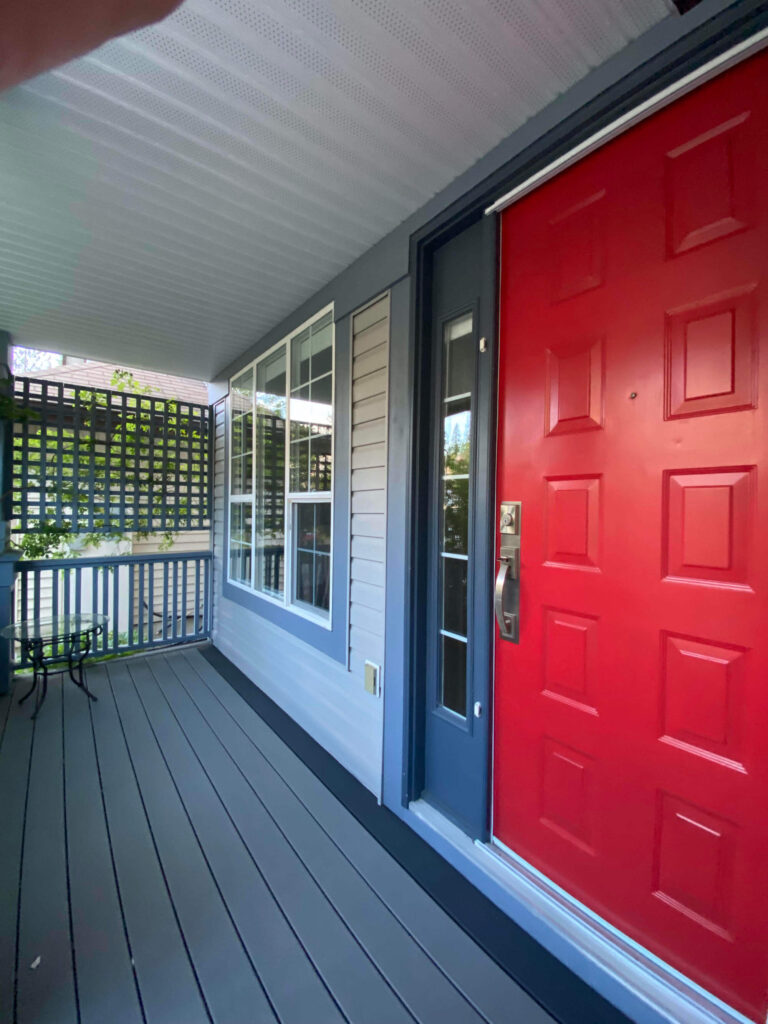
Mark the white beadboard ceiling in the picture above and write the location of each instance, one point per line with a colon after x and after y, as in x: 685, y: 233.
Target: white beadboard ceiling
x: 167, y: 199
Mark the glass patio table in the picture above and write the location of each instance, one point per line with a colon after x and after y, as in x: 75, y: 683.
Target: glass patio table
x: 75, y: 633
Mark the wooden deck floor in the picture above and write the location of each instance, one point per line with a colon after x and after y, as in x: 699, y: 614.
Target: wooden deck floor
x: 166, y: 858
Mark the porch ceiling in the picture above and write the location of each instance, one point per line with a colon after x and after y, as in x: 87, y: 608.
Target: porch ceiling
x: 171, y: 197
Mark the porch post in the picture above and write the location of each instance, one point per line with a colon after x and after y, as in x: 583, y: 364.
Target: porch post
x: 8, y: 558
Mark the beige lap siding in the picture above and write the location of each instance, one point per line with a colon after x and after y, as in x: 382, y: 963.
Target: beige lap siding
x: 370, y: 366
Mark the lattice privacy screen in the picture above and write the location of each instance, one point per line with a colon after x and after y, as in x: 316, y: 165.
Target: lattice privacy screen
x: 103, y: 461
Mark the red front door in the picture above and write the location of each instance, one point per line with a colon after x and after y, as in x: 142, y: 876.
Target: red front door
x: 631, y: 720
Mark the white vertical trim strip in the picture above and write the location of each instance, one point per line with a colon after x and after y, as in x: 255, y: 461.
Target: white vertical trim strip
x: 632, y: 117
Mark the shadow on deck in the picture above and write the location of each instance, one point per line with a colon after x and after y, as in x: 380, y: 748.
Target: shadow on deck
x: 166, y: 858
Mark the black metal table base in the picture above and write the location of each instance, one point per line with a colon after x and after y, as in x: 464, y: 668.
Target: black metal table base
x: 78, y: 647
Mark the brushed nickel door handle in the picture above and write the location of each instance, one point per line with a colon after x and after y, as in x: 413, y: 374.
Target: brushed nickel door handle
x: 507, y: 593
x: 507, y: 620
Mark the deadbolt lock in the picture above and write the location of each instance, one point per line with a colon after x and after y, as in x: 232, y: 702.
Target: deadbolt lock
x: 509, y: 517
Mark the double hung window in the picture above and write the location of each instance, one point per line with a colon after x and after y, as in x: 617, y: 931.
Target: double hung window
x: 281, y: 471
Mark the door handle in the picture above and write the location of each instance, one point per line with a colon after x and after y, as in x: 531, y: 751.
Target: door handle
x: 508, y: 620
x: 507, y: 593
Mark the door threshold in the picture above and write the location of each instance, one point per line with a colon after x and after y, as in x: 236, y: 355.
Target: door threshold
x: 636, y: 981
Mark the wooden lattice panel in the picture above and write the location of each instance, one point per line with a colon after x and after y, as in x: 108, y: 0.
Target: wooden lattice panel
x: 103, y: 461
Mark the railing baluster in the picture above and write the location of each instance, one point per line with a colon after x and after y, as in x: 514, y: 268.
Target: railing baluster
x: 151, y: 601
x: 165, y: 600
x: 131, y: 599
x: 115, y: 610
x: 105, y: 605
x: 197, y: 597
x: 36, y: 586
x: 184, y: 568
x: 141, y: 604
x: 207, y: 597
x: 176, y: 610
x: 55, y: 603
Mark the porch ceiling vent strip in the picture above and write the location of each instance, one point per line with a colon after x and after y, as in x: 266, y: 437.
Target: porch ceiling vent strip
x: 632, y: 117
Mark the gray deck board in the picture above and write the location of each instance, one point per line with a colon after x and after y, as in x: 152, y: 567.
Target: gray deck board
x: 169, y: 989
x: 424, y: 989
x: 172, y: 861
x: 293, y: 985
x: 349, y: 974
x: 231, y: 987
x: 46, y: 987
x: 105, y: 980
x: 14, y: 775
x: 485, y: 984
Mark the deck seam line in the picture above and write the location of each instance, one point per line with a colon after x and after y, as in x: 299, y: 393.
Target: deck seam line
x: 248, y: 850
x: 66, y: 856
x: 253, y: 859
x: 198, y: 840
x: 310, y: 873
x: 403, y: 925
x: 21, y: 875
x: 212, y: 656
x: 157, y: 853
x: 6, y: 716
x: 114, y: 865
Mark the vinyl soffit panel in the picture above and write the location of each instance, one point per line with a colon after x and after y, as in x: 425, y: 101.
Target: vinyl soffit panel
x: 171, y: 197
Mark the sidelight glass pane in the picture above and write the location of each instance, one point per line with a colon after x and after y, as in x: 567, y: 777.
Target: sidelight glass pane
x: 454, y: 674
x: 270, y: 473
x: 455, y: 514
x: 456, y: 399
x: 457, y: 435
x: 455, y: 596
x: 459, y: 362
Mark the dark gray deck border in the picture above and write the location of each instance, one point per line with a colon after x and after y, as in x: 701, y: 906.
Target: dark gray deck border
x: 546, y: 979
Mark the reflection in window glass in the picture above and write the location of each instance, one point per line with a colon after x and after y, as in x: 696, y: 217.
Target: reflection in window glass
x: 313, y: 554
x: 240, y: 541
x: 281, y: 451
x: 270, y: 474
x: 241, y: 449
x: 458, y: 381
x: 311, y: 409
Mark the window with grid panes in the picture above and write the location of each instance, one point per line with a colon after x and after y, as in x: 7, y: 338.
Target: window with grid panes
x: 286, y: 502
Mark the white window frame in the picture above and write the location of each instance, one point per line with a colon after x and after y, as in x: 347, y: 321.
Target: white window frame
x: 292, y: 498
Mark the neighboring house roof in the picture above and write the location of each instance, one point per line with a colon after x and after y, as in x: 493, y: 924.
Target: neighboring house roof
x: 99, y: 375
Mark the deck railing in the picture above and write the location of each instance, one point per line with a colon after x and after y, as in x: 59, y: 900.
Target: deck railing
x: 151, y: 600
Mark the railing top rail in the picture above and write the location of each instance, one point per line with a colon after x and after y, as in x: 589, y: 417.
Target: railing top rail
x: 27, y: 565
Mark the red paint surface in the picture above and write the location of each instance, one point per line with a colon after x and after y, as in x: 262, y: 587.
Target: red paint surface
x: 631, y: 722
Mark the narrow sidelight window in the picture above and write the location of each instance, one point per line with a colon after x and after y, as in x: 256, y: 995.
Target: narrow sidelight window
x: 458, y: 381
